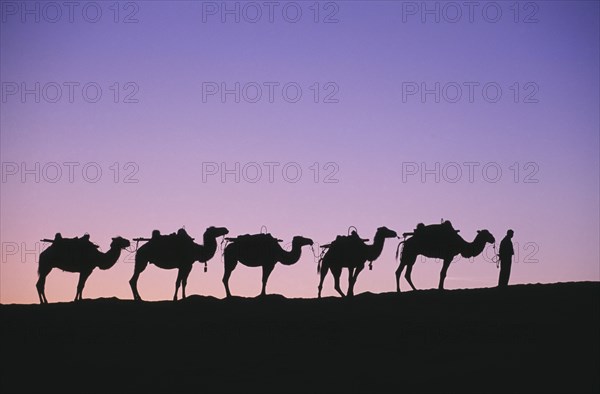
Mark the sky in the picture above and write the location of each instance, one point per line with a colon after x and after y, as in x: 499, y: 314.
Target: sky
x: 304, y: 117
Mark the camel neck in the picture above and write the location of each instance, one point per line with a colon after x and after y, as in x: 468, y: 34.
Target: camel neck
x: 208, y: 249
x: 472, y: 249
x: 108, y: 259
x: 291, y: 257
x: 374, y: 250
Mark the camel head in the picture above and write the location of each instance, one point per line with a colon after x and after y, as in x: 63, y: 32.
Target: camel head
x: 120, y: 243
x: 215, y: 232
x: 301, y: 241
x: 486, y: 236
x: 386, y: 233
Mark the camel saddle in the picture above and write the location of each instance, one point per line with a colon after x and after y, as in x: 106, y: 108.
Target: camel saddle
x: 433, y: 229
x: 347, y: 240
x: 171, y: 241
x: 77, y: 242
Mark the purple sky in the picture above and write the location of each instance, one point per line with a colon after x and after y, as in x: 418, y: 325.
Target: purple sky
x: 367, y: 56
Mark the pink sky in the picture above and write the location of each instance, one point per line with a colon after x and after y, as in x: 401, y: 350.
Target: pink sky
x: 368, y: 55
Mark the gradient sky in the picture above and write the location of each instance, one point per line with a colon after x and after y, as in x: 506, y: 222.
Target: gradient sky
x: 368, y: 54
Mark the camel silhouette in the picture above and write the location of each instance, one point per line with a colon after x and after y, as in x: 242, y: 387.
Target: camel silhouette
x: 175, y: 251
x: 350, y: 252
x: 438, y: 241
x: 260, y: 250
x: 76, y: 255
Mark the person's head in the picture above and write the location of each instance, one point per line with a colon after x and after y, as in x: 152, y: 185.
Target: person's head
x: 510, y: 233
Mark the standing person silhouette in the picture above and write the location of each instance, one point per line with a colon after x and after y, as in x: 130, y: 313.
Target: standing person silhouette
x: 506, y: 254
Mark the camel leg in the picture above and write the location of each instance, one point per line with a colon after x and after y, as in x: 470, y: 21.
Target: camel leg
x: 398, y: 275
x: 406, y: 260
x: 447, y: 262
x: 140, y: 266
x: 184, y: 279
x: 41, y: 284
x: 353, y: 279
x: 407, y: 276
x: 267, y: 269
x: 324, y: 269
x: 178, y: 283
x: 230, y: 263
x: 81, y: 284
x: 350, y: 278
x: 337, y: 272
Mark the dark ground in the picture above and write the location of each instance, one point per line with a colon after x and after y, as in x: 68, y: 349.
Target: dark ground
x: 529, y: 338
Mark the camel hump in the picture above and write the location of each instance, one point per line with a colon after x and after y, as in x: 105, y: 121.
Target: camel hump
x: 184, y: 235
x: 172, y: 241
x: 256, y: 239
x: 434, y: 230
x: 346, y: 241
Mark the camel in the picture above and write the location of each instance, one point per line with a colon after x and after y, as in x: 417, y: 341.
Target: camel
x: 438, y: 241
x: 76, y: 255
x: 175, y: 251
x: 351, y: 253
x: 260, y: 250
